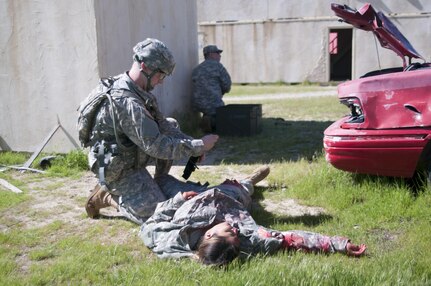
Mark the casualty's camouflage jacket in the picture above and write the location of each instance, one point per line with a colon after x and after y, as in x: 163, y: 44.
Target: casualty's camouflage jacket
x: 141, y: 127
x: 177, y: 226
x: 210, y: 82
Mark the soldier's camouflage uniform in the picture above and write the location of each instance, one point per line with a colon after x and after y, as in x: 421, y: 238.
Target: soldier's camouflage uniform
x: 148, y: 135
x: 177, y: 225
x: 210, y: 82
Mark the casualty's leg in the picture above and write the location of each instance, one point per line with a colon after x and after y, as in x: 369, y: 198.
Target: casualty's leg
x: 170, y: 186
x: 244, y: 189
x: 258, y: 175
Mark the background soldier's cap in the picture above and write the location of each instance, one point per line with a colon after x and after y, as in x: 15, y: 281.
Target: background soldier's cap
x: 212, y: 49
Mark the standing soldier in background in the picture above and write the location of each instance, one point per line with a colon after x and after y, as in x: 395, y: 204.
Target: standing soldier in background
x: 127, y: 131
x: 210, y: 82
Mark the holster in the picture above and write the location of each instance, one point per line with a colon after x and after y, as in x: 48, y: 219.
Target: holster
x: 102, y: 149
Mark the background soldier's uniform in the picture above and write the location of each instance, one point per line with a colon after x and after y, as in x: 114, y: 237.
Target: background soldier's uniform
x: 177, y: 225
x: 210, y: 82
x: 147, y: 135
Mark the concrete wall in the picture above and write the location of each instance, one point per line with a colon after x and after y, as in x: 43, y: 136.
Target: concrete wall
x: 52, y: 54
x: 277, y: 40
x: 172, y: 22
x: 48, y: 61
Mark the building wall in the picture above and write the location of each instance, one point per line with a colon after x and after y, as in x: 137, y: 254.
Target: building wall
x: 276, y: 40
x: 54, y: 52
x: 48, y: 61
x: 172, y: 22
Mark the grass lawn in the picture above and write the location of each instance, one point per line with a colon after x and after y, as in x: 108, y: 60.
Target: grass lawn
x: 59, y: 245
x: 257, y: 89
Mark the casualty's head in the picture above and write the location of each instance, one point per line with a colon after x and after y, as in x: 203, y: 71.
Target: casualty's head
x: 219, y: 245
x: 156, y: 59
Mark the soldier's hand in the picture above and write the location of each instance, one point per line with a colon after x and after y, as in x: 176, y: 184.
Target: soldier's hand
x: 209, y: 141
x: 189, y: 195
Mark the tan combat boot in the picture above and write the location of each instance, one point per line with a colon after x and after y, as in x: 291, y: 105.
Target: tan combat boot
x: 99, y: 198
x: 258, y: 175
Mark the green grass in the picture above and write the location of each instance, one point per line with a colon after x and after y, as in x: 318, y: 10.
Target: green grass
x: 291, y: 129
x: 9, y: 199
x: 71, y: 164
x: 10, y: 158
x: 253, y: 89
x: 381, y: 212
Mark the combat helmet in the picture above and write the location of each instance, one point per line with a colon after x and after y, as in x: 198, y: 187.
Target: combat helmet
x: 155, y: 55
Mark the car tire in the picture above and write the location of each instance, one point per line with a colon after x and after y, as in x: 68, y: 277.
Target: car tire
x: 419, y: 182
x: 421, y: 179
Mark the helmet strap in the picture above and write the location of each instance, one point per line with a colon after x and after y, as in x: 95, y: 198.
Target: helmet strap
x: 148, y: 86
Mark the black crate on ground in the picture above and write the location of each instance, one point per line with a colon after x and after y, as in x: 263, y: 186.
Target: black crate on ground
x: 239, y: 119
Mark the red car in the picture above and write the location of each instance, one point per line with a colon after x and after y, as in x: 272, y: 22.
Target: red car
x: 388, y: 130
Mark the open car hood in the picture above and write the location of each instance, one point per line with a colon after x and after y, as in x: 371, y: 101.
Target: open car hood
x: 366, y: 18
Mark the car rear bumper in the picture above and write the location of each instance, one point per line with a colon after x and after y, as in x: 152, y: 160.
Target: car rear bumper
x: 389, y: 152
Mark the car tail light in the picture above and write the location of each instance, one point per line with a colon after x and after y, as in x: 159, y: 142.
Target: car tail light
x: 354, y: 104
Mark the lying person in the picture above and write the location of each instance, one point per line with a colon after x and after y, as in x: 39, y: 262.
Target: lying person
x: 215, y: 226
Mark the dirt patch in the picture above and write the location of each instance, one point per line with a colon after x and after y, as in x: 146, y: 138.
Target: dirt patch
x: 291, y: 207
x: 62, y: 199
x: 52, y: 199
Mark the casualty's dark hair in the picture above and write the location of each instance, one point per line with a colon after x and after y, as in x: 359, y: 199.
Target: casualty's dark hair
x: 216, y: 251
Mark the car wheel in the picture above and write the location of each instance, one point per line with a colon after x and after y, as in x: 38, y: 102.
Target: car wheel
x: 420, y: 181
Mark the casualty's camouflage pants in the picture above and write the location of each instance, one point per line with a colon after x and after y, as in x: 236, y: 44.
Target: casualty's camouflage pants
x: 144, y: 193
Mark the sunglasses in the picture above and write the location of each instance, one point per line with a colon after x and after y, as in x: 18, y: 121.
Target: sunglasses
x: 162, y: 75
